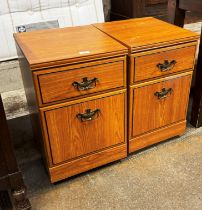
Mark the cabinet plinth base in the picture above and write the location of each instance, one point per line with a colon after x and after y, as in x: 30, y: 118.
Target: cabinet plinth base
x: 83, y: 164
x: 157, y: 136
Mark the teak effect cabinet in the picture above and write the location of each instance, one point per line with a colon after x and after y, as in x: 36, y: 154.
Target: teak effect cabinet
x: 75, y: 82
x: 161, y: 60
x: 97, y: 92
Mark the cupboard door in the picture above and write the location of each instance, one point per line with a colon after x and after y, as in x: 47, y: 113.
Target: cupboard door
x: 87, y: 127
x: 159, y: 104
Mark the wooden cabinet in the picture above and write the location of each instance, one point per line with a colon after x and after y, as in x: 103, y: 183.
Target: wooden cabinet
x: 75, y: 82
x: 161, y: 61
x: 11, y: 180
x: 80, y: 81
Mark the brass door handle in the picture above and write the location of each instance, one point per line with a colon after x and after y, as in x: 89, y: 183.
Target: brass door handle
x: 166, y: 66
x: 88, y: 115
x: 85, y: 84
x: 164, y: 93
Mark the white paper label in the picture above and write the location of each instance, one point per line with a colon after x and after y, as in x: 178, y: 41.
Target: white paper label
x: 84, y: 52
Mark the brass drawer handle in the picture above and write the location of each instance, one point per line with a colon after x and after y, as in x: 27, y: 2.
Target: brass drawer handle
x: 88, y: 115
x: 85, y: 84
x: 164, y: 93
x: 166, y: 66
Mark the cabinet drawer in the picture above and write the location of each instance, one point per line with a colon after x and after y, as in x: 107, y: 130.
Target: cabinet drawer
x: 163, y: 63
x: 82, y: 128
x: 70, y: 82
x: 159, y: 104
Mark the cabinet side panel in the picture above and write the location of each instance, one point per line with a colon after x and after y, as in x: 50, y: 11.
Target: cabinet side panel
x: 32, y: 101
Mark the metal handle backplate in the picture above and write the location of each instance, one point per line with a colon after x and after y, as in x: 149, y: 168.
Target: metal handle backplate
x: 163, y: 93
x: 166, y: 66
x: 88, y: 115
x: 85, y: 84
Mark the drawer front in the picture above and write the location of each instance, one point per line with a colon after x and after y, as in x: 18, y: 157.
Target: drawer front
x: 70, y: 83
x: 163, y: 63
x: 159, y: 104
x: 87, y: 127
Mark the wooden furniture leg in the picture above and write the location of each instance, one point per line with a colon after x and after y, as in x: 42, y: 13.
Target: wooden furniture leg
x: 10, y: 176
x: 175, y: 14
x: 124, y: 9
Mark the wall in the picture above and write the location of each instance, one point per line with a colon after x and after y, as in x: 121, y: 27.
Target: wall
x: 67, y: 12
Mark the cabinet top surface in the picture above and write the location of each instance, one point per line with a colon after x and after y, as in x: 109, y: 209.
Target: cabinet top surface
x: 72, y: 44
x: 146, y: 33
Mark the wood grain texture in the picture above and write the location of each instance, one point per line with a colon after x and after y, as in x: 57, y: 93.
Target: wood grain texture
x: 57, y: 85
x: 150, y: 113
x: 146, y: 66
x: 151, y: 2
x: 70, y: 138
x: 82, y: 99
x: 50, y: 47
x: 43, y: 110
x: 176, y: 11
x: 56, y: 58
x: 132, y: 57
x: 156, y: 136
x: 193, y: 5
x: 146, y: 33
x: 123, y: 9
x: 176, y: 15
x: 162, y: 79
x: 91, y: 161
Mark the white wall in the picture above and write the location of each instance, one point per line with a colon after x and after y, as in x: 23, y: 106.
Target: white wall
x: 67, y: 12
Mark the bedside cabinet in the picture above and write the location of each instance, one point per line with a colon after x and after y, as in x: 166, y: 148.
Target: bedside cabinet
x: 75, y: 83
x: 161, y: 61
